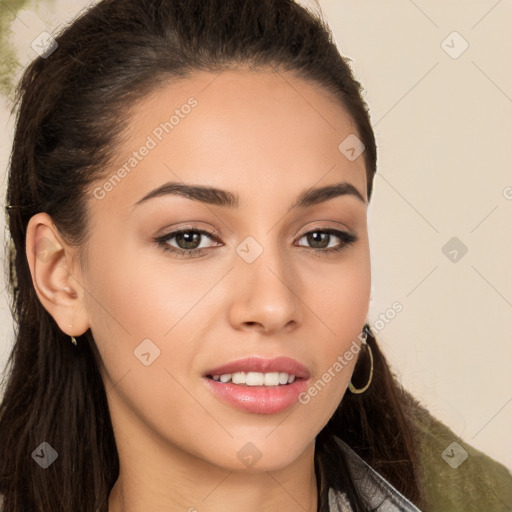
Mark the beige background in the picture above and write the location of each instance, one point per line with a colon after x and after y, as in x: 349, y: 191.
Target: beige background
x: 443, y: 122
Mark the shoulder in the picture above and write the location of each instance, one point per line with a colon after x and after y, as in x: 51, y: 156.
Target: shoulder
x: 455, y: 476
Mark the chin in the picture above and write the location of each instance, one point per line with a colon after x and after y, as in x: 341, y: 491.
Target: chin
x: 263, y: 452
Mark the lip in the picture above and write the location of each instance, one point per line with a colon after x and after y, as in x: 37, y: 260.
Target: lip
x: 259, y: 399
x: 262, y: 365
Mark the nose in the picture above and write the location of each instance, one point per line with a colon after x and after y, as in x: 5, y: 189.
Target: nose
x: 266, y: 296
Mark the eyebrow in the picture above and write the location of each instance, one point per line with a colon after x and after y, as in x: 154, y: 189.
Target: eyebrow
x: 227, y: 199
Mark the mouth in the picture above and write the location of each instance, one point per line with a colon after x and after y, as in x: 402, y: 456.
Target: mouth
x: 258, y: 371
x: 257, y: 385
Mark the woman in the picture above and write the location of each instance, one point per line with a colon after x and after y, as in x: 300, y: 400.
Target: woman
x: 190, y: 274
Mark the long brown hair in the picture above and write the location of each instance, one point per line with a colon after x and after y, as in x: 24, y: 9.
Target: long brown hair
x: 72, y: 106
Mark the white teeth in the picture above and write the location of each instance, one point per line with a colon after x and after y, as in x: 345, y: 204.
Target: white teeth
x: 271, y: 379
x: 256, y: 378
x: 238, y: 378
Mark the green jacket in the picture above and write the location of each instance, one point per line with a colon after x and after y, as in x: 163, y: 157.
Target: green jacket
x: 455, y: 476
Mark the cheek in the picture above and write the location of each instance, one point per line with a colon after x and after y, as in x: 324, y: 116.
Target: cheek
x: 140, y: 325
x: 340, y: 294
x: 123, y: 308
x: 341, y: 307
x: 139, y: 296
x: 142, y: 303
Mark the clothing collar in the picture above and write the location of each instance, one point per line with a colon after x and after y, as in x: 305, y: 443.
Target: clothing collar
x: 377, y: 492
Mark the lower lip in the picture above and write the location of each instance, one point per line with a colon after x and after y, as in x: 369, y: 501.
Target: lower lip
x: 257, y: 399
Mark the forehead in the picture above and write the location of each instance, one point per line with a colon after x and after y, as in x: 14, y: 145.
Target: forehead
x: 238, y: 129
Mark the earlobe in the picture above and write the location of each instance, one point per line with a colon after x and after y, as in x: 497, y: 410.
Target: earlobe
x: 54, y: 276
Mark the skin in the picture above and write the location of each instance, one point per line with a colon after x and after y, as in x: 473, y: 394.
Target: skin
x: 266, y: 136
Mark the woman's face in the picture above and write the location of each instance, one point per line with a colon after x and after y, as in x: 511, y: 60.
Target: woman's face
x: 250, y: 279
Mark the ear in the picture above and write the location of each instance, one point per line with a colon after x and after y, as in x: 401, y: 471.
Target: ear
x: 56, y: 277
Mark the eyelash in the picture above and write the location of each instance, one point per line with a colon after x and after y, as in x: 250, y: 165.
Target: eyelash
x: 161, y: 242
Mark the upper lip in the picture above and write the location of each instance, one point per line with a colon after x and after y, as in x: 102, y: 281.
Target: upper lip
x: 262, y: 365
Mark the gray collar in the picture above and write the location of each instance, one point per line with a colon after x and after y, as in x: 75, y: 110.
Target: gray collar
x: 378, y: 493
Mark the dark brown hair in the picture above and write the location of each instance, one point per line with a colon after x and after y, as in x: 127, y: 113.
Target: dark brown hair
x: 72, y: 107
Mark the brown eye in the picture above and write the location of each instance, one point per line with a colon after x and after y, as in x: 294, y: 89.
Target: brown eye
x: 187, y: 241
x: 319, y: 239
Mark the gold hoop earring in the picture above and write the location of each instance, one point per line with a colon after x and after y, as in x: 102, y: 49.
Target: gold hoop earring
x: 351, y: 387
x: 73, y: 340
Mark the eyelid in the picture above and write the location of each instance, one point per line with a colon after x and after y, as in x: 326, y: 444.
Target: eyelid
x: 320, y: 226
x: 210, y: 231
